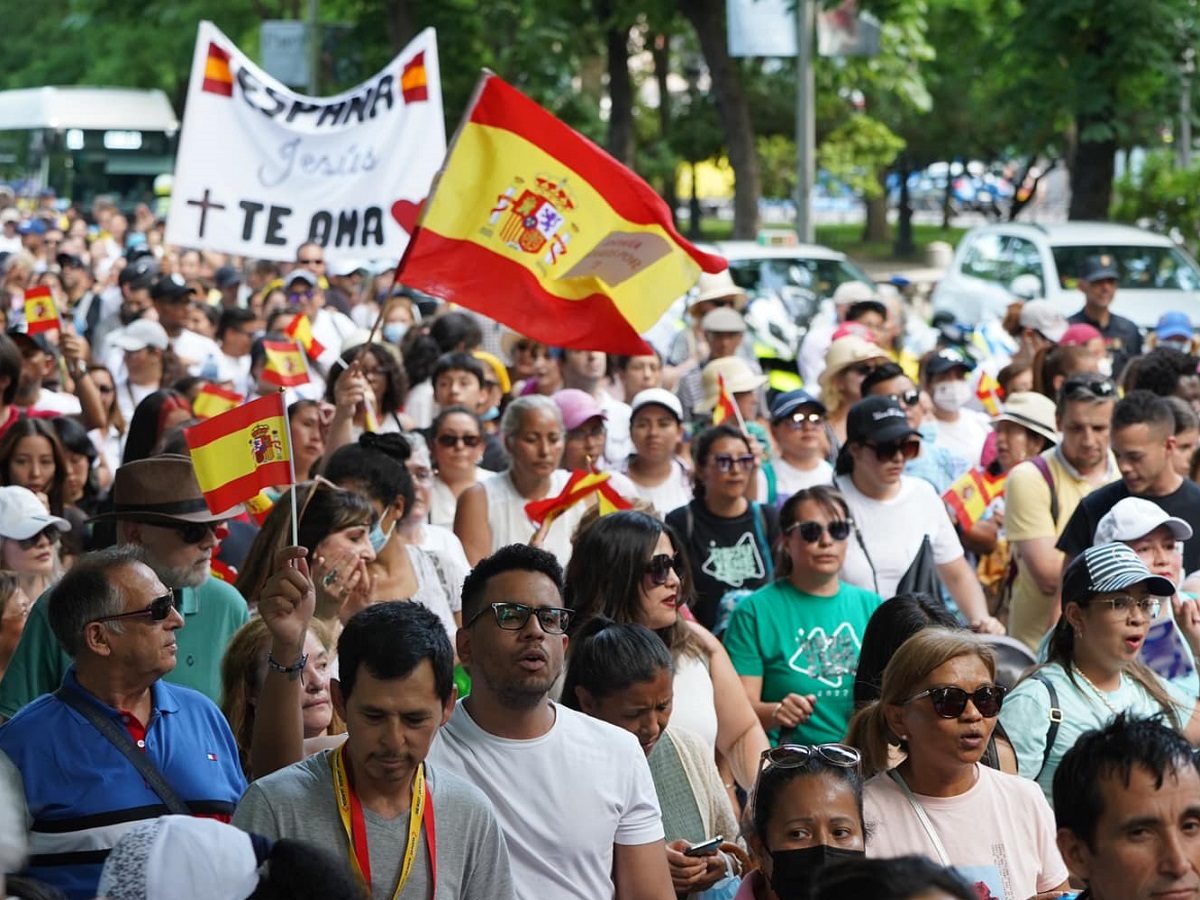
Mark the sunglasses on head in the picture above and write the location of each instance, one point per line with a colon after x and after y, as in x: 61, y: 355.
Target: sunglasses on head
x: 453, y: 440
x: 159, y: 609
x: 950, y: 702
x: 660, y: 566
x: 811, y: 532
x: 726, y: 463
x: 886, y: 451
x: 793, y: 756
x: 50, y: 532
x: 1093, y: 385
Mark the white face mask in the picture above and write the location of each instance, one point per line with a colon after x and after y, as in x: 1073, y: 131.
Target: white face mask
x: 951, y: 396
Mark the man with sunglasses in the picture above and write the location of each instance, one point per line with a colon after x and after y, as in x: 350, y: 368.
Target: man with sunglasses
x: 573, y: 795
x: 118, y: 622
x: 1098, y: 282
x: 1042, y: 493
x: 158, y: 506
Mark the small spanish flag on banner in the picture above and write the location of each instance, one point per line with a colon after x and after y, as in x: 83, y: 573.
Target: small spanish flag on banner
x: 414, y: 82
x: 217, y: 77
x: 301, y: 331
x: 724, y: 408
x: 240, y: 452
x: 40, y: 311
x: 285, y: 364
x: 969, y: 497
x: 579, y: 486
x: 533, y: 225
x: 989, y: 393
x: 213, y: 400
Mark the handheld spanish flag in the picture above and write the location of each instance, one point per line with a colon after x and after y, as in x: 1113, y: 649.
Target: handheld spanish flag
x: 40, y: 312
x: 533, y: 225
x: 301, y: 331
x: 579, y: 486
x: 240, y: 452
x: 213, y: 400
x: 285, y: 364
x: 259, y: 506
x: 725, y: 408
x: 989, y: 393
x: 969, y: 497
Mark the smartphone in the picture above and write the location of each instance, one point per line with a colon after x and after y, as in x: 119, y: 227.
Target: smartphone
x: 705, y: 848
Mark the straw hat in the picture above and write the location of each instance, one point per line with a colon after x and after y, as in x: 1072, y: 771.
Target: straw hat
x: 738, y: 377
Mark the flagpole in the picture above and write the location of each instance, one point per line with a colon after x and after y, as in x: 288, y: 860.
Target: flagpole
x: 287, y: 424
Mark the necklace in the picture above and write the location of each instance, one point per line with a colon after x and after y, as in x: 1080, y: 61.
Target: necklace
x: 1099, y: 693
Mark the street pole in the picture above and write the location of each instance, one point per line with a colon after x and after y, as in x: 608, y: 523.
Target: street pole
x: 806, y: 128
x: 314, y: 48
x: 1185, y: 109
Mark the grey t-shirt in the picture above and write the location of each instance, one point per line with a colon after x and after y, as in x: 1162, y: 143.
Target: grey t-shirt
x: 472, y: 859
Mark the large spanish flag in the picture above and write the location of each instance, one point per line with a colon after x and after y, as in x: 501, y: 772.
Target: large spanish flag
x: 240, y: 452
x: 533, y: 225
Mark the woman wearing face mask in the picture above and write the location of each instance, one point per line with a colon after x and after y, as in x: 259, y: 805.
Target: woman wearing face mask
x: 457, y: 451
x: 960, y: 430
x: 375, y: 467
x: 1092, y: 671
x: 623, y: 675
x: 940, y: 700
x: 806, y: 814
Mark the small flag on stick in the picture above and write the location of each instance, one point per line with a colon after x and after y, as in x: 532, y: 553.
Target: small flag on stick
x: 285, y: 364
x: 578, y: 487
x: 213, y: 400
x: 301, y: 331
x: 969, y: 497
x: 40, y: 312
x: 725, y: 408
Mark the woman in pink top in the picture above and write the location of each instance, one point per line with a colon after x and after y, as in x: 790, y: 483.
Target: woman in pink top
x: 939, y: 701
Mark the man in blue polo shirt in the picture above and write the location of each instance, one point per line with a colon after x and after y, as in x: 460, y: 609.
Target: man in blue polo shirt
x: 119, y: 624
x: 158, y: 506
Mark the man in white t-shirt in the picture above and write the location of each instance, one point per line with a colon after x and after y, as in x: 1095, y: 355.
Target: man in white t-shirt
x: 573, y: 795
x: 960, y: 430
x: 171, y: 296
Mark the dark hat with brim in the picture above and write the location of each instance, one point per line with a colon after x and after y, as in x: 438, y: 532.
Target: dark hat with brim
x: 161, y: 490
x: 1110, y: 567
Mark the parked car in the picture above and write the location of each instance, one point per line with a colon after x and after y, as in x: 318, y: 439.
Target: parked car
x: 1156, y: 275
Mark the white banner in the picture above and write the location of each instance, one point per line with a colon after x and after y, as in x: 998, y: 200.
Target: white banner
x: 262, y: 169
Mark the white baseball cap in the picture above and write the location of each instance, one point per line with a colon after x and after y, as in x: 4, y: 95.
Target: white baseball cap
x: 656, y: 397
x: 140, y: 334
x: 1135, y: 517
x: 22, y: 514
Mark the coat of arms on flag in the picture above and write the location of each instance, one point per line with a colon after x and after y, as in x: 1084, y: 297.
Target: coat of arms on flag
x: 535, y: 218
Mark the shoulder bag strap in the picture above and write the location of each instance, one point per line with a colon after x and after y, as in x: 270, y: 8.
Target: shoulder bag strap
x: 1056, y: 718
x: 923, y: 817
x: 861, y: 543
x: 760, y: 534
x: 1039, y: 463
x: 120, y: 739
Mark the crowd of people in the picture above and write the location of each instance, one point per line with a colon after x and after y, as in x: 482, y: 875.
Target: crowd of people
x: 790, y: 666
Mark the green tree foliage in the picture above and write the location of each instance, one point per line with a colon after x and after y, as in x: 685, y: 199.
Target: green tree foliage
x: 857, y: 151
x: 1162, y: 195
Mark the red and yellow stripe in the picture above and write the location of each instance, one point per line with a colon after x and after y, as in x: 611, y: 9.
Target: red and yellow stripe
x: 218, y: 78
x: 240, y: 452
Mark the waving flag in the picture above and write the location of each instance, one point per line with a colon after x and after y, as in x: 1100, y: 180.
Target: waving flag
x: 578, y: 487
x: 301, y: 331
x: 213, y: 400
x: 533, y: 225
x: 285, y: 364
x: 969, y: 497
x: 989, y: 393
x: 40, y: 312
x: 724, y: 408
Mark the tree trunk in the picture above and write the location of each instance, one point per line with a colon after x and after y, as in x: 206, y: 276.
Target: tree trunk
x: 660, y: 54
x: 876, y: 228
x: 401, y: 28
x: 1091, y: 179
x: 733, y: 110
x: 948, y: 198
x: 694, y: 207
x: 904, y: 246
x: 620, y: 94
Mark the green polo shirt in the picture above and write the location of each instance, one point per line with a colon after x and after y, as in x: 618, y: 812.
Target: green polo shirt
x: 211, y: 615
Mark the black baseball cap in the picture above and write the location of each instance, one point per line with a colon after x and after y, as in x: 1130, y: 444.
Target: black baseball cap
x: 139, y: 273
x: 1098, y: 268
x: 170, y: 289
x: 786, y: 405
x: 878, y: 420
x: 946, y: 360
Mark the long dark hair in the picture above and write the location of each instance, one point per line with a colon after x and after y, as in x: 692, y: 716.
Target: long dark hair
x: 825, y: 496
x: 389, y: 365
x: 893, y: 623
x: 374, y: 467
x: 146, y: 426
x: 604, y: 576
x: 74, y: 438
x: 26, y: 427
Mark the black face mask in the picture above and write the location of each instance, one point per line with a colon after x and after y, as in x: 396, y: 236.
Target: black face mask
x: 794, y: 872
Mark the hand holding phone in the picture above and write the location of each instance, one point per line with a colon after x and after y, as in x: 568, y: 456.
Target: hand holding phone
x: 705, y: 848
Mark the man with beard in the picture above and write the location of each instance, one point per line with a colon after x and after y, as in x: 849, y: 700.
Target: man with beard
x: 157, y: 504
x: 573, y: 795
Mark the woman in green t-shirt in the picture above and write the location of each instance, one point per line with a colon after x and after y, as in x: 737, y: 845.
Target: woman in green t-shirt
x: 795, y: 642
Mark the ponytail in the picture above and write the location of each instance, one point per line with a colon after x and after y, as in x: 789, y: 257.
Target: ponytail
x: 869, y: 733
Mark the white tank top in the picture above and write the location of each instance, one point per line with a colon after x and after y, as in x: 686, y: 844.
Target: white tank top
x: 510, y: 525
x: 694, y: 707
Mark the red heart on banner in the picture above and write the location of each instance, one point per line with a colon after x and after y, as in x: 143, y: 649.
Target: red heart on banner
x: 406, y: 213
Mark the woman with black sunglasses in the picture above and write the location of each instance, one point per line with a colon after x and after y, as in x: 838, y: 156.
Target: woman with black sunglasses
x: 628, y: 567
x: 457, y: 449
x: 939, y: 700
x: 1092, y: 670
x: 795, y: 642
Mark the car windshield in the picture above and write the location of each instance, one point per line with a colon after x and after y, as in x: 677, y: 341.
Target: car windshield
x: 821, y: 276
x: 1140, y: 268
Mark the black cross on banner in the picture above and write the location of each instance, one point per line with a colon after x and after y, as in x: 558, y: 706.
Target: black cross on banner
x: 205, y: 205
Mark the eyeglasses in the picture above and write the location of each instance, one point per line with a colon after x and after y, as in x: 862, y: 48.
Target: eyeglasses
x: 886, y: 451
x: 1124, y: 604
x: 793, y: 756
x: 725, y: 463
x: 1091, y: 385
x: 949, y: 702
x: 453, y: 440
x: 513, y: 616
x: 908, y: 398
x: 50, y: 532
x: 811, y: 532
x: 659, y: 568
x: 421, y: 474
x: 799, y: 420
x: 300, y: 297
x: 159, y: 609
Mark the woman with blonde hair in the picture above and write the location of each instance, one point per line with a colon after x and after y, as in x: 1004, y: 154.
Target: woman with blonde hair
x: 939, y: 701
x: 848, y: 361
x: 243, y: 669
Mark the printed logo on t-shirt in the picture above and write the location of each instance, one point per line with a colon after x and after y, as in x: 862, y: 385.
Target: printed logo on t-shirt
x: 737, y: 564
x: 827, y: 659
x: 985, y: 880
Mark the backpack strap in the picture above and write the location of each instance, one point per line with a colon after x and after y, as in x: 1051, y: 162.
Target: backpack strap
x: 1056, y: 718
x: 760, y: 535
x: 1039, y: 463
